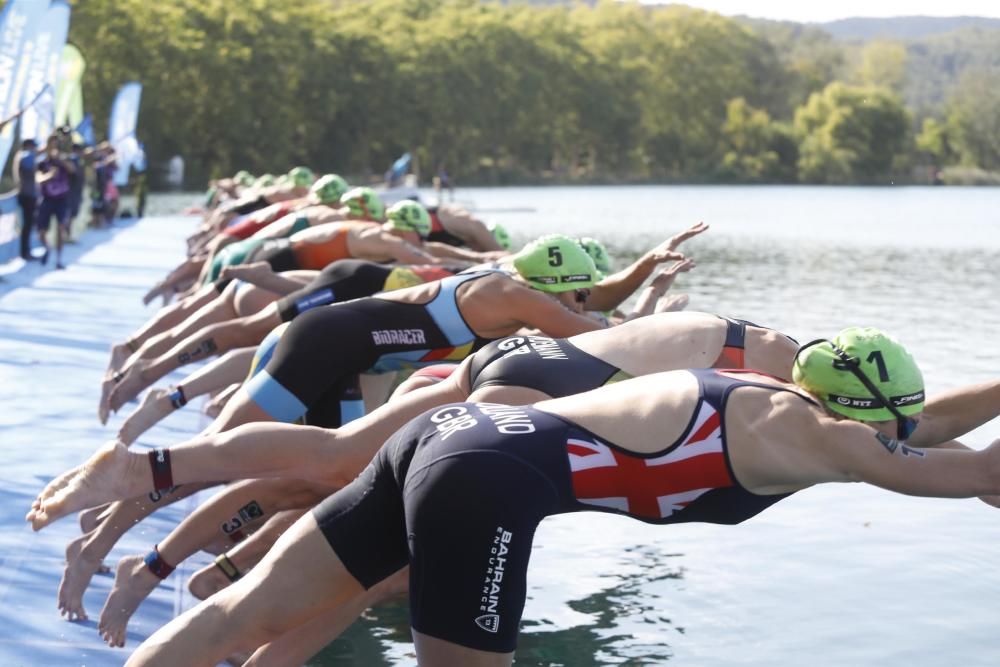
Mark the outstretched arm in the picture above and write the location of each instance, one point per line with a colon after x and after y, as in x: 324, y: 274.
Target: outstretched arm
x: 954, y: 413
x: 865, y: 455
x: 613, y: 290
x: 650, y: 295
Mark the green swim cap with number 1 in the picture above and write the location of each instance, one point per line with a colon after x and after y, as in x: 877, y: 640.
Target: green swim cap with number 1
x: 821, y: 371
x: 555, y: 263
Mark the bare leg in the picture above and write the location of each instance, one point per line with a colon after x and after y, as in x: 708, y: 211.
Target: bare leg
x: 186, y: 272
x: 300, y: 578
x: 229, y: 369
x: 294, y: 648
x: 85, y: 554
x: 306, y: 452
x: 212, y: 578
x: 167, y: 317
x: 226, y: 512
x: 211, y: 340
x: 89, y: 519
x: 219, y: 309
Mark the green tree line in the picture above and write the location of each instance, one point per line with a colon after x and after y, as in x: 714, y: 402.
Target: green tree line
x: 501, y: 93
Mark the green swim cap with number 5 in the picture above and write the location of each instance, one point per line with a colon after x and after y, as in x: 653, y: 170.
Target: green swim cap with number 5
x: 830, y: 371
x: 555, y: 263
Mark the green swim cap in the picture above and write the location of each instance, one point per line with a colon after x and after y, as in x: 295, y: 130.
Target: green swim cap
x: 409, y: 216
x: 329, y: 188
x: 598, y: 253
x: 264, y: 181
x: 499, y: 232
x: 555, y: 263
x: 364, y: 203
x: 821, y: 371
x: 301, y: 177
x: 244, y: 178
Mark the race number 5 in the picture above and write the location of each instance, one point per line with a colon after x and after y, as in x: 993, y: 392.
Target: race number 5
x: 555, y: 256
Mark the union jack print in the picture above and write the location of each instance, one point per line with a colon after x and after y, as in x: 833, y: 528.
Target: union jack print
x: 657, y: 487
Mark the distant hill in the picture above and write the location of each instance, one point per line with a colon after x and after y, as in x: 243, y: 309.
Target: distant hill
x: 903, y: 27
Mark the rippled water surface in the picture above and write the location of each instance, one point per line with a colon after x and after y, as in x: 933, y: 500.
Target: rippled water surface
x: 838, y: 575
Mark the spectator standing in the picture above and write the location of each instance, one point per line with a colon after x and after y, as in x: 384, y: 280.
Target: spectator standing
x: 27, y: 193
x: 53, y: 176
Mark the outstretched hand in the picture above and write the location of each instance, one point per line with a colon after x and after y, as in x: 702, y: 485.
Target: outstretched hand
x: 681, y: 237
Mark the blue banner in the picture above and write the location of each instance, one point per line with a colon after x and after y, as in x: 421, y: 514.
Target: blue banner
x: 39, y: 94
x: 19, y: 21
x: 121, y: 129
x: 86, y: 130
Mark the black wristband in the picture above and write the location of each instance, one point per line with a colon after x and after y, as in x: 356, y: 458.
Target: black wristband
x: 163, y: 475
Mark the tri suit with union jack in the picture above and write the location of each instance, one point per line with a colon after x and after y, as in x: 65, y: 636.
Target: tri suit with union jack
x: 460, y: 490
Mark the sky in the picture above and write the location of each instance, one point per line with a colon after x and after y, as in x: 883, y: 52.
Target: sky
x: 820, y: 11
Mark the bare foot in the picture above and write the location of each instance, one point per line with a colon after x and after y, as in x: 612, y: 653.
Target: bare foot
x: 133, y: 584
x: 128, y: 388
x: 52, y: 488
x: 154, y: 407
x: 672, y: 302
x: 119, y: 353
x: 110, y: 474
x: 107, y: 386
x: 207, y: 581
x: 76, y: 577
x: 92, y: 518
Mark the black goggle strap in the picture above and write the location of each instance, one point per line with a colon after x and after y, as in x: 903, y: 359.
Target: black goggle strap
x: 906, y: 425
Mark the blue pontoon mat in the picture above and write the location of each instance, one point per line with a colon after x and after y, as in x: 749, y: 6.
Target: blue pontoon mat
x: 56, y: 328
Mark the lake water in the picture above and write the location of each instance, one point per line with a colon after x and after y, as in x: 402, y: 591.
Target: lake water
x: 838, y: 575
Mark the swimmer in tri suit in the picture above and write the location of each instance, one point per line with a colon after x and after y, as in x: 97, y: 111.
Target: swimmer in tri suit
x: 344, y: 280
x: 455, y: 226
x: 215, y: 332
x: 335, y: 457
x: 704, y: 445
x: 259, y: 196
x: 312, y: 248
x: 324, y: 195
x: 399, y: 239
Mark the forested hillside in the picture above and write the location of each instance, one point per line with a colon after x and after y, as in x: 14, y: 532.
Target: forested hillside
x: 501, y: 93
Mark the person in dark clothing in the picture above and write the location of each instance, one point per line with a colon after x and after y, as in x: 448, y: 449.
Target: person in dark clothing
x: 27, y: 192
x: 76, y: 181
x: 53, y: 176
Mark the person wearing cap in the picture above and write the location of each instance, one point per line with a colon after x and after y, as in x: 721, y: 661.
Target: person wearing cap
x: 456, y: 226
x: 398, y: 239
x: 703, y: 445
x: 27, y: 192
x: 322, y: 201
x: 316, y: 247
